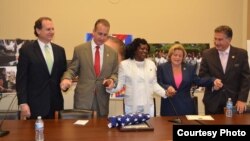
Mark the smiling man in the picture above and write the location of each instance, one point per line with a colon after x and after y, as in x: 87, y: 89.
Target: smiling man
x: 96, y: 66
x: 40, y: 67
x: 230, y: 64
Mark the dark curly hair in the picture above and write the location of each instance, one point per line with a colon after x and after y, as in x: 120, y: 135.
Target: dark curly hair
x: 132, y: 47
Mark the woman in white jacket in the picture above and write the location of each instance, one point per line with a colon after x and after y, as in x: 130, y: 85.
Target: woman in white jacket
x: 138, y: 75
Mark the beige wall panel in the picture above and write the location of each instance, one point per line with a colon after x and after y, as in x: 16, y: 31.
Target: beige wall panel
x: 156, y: 20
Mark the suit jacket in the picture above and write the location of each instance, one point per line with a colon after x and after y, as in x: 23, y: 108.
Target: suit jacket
x: 235, y: 80
x: 35, y: 85
x: 140, y: 86
x: 182, y: 101
x: 88, y: 84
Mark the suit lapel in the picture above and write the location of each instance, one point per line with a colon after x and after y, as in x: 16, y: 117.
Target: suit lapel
x: 216, y: 59
x: 39, y: 54
x: 55, y: 54
x: 89, y: 58
x: 171, y: 75
x: 185, y: 75
x: 106, y: 55
x: 231, y: 59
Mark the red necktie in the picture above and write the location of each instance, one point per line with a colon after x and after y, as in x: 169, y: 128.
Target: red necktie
x: 97, y: 61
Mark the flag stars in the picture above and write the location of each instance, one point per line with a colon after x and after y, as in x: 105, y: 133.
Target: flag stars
x: 129, y: 119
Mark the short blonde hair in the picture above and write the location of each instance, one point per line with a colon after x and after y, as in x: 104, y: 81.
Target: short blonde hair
x: 174, y: 48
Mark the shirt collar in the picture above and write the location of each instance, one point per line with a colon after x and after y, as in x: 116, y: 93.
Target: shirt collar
x: 225, y: 51
x: 42, y: 44
x: 93, y: 45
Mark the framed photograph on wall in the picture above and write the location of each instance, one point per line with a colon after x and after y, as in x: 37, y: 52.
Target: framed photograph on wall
x: 9, y: 53
x: 7, y: 79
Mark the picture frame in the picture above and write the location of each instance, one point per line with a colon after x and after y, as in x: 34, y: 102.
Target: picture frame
x: 9, y: 53
x: 144, y: 126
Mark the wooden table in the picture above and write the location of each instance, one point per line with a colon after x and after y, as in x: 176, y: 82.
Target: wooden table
x: 97, y: 130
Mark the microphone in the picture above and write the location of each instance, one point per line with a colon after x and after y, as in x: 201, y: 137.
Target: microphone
x: 177, y: 119
x: 193, y: 90
x: 194, y: 98
x: 5, y: 132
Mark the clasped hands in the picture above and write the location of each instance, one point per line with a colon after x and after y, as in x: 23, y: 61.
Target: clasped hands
x: 217, y: 84
x: 170, y: 91
x: 108, y: 83
x: 65, y: 84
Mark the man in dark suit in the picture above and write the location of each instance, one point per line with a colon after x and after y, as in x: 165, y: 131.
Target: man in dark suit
x: 40, y: 67
x: 93, y: 77
x: 230, y: 64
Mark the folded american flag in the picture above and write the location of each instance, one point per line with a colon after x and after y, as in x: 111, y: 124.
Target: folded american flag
x: 128, y: 119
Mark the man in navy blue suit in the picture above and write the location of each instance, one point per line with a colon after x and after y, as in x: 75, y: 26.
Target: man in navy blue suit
x: 39, y: 73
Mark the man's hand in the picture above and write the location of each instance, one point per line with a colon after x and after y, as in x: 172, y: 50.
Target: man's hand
x: 217, y: 84
x: 25, y: 111
x: 241, y: 106
x: 108, y: 83
x: 65, y: 84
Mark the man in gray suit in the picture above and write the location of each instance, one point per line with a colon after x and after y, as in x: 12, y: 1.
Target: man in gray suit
x: 93, y: 75
x: 230, y: 64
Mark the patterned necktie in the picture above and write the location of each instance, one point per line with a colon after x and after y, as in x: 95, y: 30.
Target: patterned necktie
x: 97, y: 61
x: 48, y: 58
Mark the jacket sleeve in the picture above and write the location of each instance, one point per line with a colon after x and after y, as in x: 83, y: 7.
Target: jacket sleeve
x: 22, y: 76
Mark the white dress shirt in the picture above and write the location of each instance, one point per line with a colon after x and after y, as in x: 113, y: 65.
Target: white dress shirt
x: 101, y: 49
x: 224, y: 58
